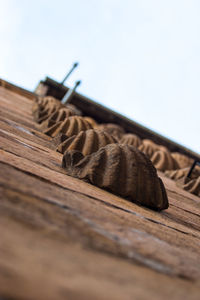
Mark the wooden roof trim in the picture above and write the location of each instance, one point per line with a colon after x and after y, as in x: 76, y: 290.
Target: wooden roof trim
x: 18, y: 90
x: 103, y: 114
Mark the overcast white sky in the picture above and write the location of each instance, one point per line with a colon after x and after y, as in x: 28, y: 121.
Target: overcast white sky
x: 138, y: 57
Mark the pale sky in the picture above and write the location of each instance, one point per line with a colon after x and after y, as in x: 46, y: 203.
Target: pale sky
x: 138, y: 57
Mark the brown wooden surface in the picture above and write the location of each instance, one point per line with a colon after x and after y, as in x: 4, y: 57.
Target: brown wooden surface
x: 61, y: 238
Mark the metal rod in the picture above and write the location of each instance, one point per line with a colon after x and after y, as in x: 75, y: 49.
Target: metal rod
x: 69, y: 73
x: 196, y: 162
x: 70, y: 92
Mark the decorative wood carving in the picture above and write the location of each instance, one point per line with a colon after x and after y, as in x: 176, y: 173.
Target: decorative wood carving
x: 91, y: 121
x: 122, y: 170
x: 180, y: 173
x: 60, y: 114
x: 43, y: 108
x: 87, y: 142
x: 131, y: 139
x: 69, y: 127
x: 182, y: 160
x: 113, y: 129
x: 148, y: 147
x: 191, y: 185
x: 163, y: 161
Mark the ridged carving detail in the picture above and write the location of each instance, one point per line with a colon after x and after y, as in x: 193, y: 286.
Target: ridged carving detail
x: 162, y: 160
x: 180, y: 173
x: 74, y: 109
x: 69, y: 127
x: 87, y: 142
x: 182, y: 160
x: 192, y: 186
x: 131, y: 139
x: 44, y: 107
x: 113, y: 129
x: 41, y: 102
x: 122, y: 170
x: 148, y: 147
x: 177, y: 174
x: 60, y: 114
x: 91, y: 121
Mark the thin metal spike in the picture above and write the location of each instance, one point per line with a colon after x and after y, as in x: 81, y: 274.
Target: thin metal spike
x: 70, y: 92
x: 75, y: 65
x: 196, y: 162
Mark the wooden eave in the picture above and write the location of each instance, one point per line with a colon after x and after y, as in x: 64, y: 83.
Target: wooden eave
x: 62, y: 238
x: 103, y: 114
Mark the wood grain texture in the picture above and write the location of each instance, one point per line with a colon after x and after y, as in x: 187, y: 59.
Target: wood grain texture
x: 62, y: 238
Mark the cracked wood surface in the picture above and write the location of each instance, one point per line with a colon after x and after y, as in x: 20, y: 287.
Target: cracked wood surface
x: 62, y: 238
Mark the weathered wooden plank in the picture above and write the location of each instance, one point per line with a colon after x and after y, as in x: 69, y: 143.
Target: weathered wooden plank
x: 4, y: 113
x: 79, y: 241
x: 17, y: 90
x: 67, y: 182
x: 181, y: 245
x: 40, y: 155
x: 13, y: 104
x: 29, y: 135
x: 41, y: 265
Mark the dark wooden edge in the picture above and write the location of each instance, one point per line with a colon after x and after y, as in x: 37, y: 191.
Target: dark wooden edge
x: 50, y: 87
x: 18, y: 90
